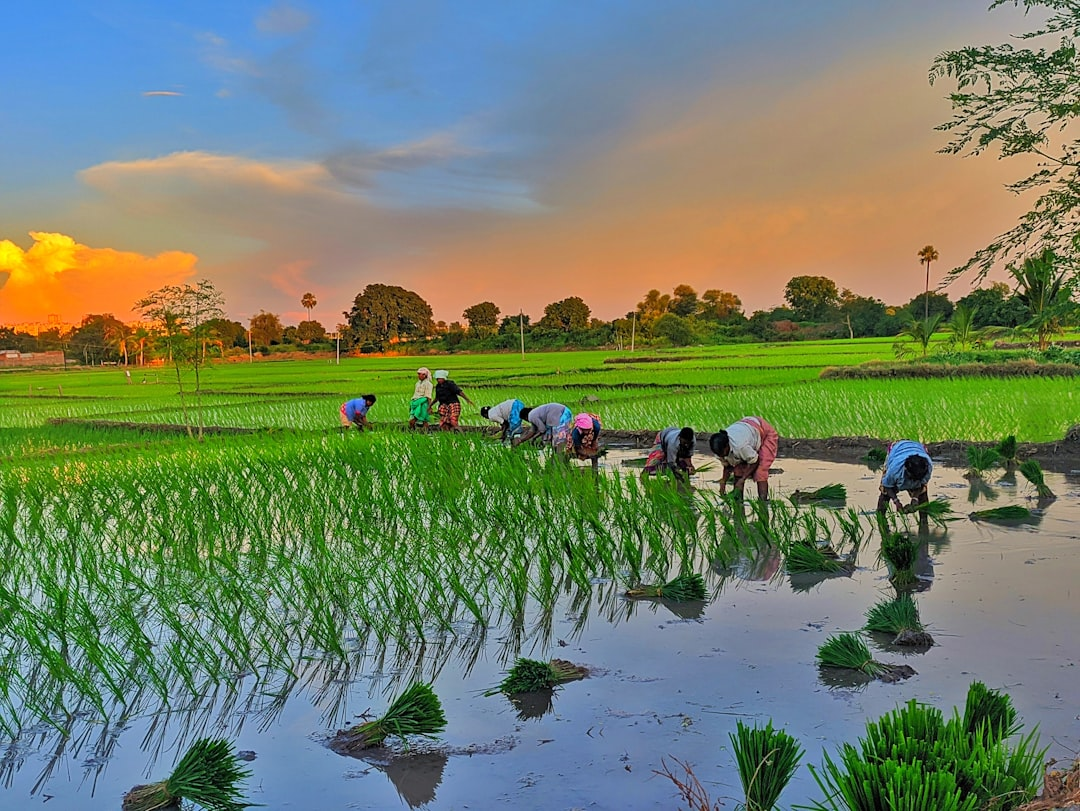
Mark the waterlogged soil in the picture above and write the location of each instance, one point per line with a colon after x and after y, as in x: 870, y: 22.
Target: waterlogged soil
x: 667, y: 682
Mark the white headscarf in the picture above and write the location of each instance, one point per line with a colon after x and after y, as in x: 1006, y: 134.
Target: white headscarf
x: 441, y: 374
x: 424, y: 370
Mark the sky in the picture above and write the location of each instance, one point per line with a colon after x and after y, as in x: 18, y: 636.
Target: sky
x: 515, y: 152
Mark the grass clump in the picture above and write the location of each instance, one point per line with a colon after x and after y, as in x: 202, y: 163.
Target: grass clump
x: 767, y: 760
x: 417, y: 711
x: 531, y: 675
x: 830, y: 492
x: 900, y: 552
x: 912, y: 758
x: 1010, y: 512
x: 209, y: 775
x: 684, y: 588
x: 1031, y: 470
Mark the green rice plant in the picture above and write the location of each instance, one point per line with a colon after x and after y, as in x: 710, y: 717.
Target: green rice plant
x: 875, y: 457
x: 1031, y: 470
x: 417, y: 711
x: 830, y: 492
x: 894, y: 616
x: 804, y: 557
x: 849, y: 652
x: 1006, y: 449
x: 683, y: 588
x: 989, y: 714
x: 938, y: 511
x: 900, y: 552
x: 530, y: 675
x: 767, y: 760
x: 209, y: 774
x: 981, y: 459
x: 1010, y: 512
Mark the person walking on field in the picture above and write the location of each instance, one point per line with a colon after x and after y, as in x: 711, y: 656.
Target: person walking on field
x: 549, y: 422
x: 354, y: 412
x: 447, y: 393
x: 747, y: 449
x: 674, y: 451
x: 420, y: 404
x: 907, y: 467
x: 508, y: 415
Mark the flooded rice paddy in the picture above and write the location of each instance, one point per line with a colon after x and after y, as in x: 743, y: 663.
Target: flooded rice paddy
x: 668, y: 681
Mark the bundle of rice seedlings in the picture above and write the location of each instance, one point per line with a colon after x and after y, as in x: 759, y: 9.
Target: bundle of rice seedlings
x: 937, y: 510
x: 682, y: 589
x: 1032, y: 471
x: 989, y: 714
x: 208, y: 774
x: 900, y: 553
x: 830, y: 492
x: 767, y: 760
x: 803, y: 557
x: 530, y: 675
x: 1010, y: 512
x: 981, y: 459
x: 1007, y: 450
x: 899, y: 617
x: 417, y: 711
x: 849, y: 652
x: 875, y: 457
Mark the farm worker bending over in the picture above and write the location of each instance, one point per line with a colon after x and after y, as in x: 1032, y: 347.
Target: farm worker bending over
x: 420, y: 404
x: 674, y: 451
x: 447, y: 393
x: 747, y: 449
x: 354, y: 412
x: 583, y: 440
x: 507, y: 414
x: 550, y: 422
x: 907, y: 467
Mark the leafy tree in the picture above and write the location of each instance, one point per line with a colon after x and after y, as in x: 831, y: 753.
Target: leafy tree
x: 994, y: 306
x: 569, y: 314
x: 1042, y: 288
x: 654, y: 305
x: 930, y: 303
x: 230, y: 333
x: 916, y: 335
x: 718, y: 305
x: 866, y: 317
x: 483, y: 318
x: 308, y: 302
x: 962, y: 330
x: 308, y: 332
x: 684, y: 301
x: 677, y: 330
x: 182, y: 313
x: 93, y: 340
x: 383, y: 312
x: 927, y: 255
x: 266, y: 329
x: 513, y: 323
x: 813, y: 298
x: 1023, y: 101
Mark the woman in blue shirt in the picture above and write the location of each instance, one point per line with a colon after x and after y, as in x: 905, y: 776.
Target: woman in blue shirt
x: 907, y: 467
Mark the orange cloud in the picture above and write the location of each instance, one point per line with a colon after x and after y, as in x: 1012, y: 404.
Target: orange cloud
x: 57, y: 275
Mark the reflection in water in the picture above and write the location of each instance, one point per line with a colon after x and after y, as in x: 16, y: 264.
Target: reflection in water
x: 416, y: 776
x: 843, y: 678
x: 979, y: 489
x: 533, y: 705
x: 803, y: 582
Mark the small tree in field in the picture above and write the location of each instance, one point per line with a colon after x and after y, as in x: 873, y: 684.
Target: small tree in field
x: 182, y: 313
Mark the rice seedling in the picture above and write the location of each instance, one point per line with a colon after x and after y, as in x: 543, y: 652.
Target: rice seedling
x: 938, y: 511
x: 767, y: 759
x: 900, y: 553
x: 875, y: 458
x: 530, y: 675
x: 1010, y: 512
x: 849, y: 652
x: 209, y: 774
x: 981, y: 459
x: 805, y: 557
x: 683, y: 588
x: 894, y: 616
x: 989, y: 714
x: 1031, y: 470
x: 1006, y: 449
x: 830, y: 492
x: 417, y: 711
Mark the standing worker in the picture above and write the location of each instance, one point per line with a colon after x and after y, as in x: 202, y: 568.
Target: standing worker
x: 447, y: 393
x: 907, y: 467
x: 420, y: 404
x: 508, y: 415
x: 747, y: 449
x: 354, y: 412
x: 674, y: 451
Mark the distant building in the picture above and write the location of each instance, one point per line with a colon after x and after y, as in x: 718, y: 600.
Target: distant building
x: 13, y: 357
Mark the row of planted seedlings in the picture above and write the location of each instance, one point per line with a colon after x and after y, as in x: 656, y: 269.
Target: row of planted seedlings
x: 223, y: 576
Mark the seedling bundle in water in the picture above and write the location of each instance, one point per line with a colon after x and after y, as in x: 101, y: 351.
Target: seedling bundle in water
x: 682, y: 589
x: 899, y: 617
x: 801, y: 558
x: 208, y: 774
x: 1031, y: 470
x: 981, y: 460
x: 1006, y: 449
x: 417, y: 711
x: 1010, y: 512
x: 900, y: 552
x: 847, y: 651
x: 830, y: 492
x: 530, y: 675
x: 767, y: 759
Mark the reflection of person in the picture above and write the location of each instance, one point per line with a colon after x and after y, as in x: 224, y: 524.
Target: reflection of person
x: 447, y: 393
x: 550, y: 422
x: 673, y: 450
x: 507, y: 414
x: 907, y: 467
x: 420, y: 404
x: 583, y: 438
x: 747, y: 449
x: 354, y: 412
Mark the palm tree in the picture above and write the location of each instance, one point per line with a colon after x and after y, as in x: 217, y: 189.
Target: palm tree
x: 1042, y: 289
x: 918, y: 332
x: 927, y: 255
x: 962, y: 326
x: 308, y: 302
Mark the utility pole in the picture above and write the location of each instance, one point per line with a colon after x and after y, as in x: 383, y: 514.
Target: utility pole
x: 633, y: 330
x: 251, y: 353
x: 521, y: 326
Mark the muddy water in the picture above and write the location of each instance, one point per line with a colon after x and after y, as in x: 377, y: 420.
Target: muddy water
x: 669, y: 683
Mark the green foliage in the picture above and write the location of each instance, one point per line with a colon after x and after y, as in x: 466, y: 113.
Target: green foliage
x: 813, y: 298
x: 894, y: 616
x: 830, y: 492
x: 1032, y: 471
x: 900, y: 552
x: 382, y: 312
x: 1010, y: 512
x: 530, y: 675
x: 417, y: 711
x: 916, y: 335
x: 989, y: 714
x: 849, y: 652
x: 209, y: 775
x: 1044, y: 290
x: 683, y: 588
x: 981, y: 459
x: 767, y: 760
x: 1006, y: 449
x: 802, y: 557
